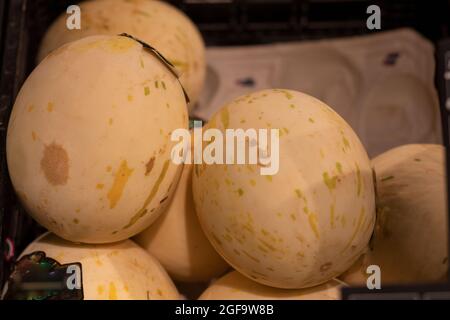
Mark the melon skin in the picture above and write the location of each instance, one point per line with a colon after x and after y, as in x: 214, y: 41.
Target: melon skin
x: 410, y: 237
x: 234, y: 286
x: 88, y: 141
x: 177, y: 240
x: 157, y: 23
x: 117, y: 271
x: 357, y: 274
x: 309, y: 222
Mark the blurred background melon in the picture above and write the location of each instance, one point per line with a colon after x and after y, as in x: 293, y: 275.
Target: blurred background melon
x: 157, y: 23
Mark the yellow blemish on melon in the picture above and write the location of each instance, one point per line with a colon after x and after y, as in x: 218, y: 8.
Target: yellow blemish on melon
x: 345, y: 141
x: 150, y: 197
x: 50, y: 106
x: 287, y: 94
x: 179, y: 64
x: 330, y: 182
x: 312, y: 219
x: 216, y: 239
x: 120, y: 44
x: 267, y: 245
x: 322, y: 154
x: 112, y: 291
x: 100, y: 290
x: 299, y: 238
x: 227, y: 237
x: 339, y: 167
x: 249, y: 168
x: 225, y: 117
x: 249, y: 228
x: 212, y: 123
x: 358, y: 180
x: 115, y: 45
x: 121, y: 177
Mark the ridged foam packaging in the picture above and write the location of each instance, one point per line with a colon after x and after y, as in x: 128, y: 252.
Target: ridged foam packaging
x: 382, y: 84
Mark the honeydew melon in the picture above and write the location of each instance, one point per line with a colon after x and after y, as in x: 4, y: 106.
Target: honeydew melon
x: 305, y: 224
x: 157, y: 23
x: 118, y: 271
x: 88, y: 142
x: 410, y: 236
x: 234, y: 286
x: 177, y: 240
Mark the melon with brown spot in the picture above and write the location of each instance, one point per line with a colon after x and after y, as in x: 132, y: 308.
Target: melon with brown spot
x: 409, y: 243
x: 285, y: 230
x: 74, y: 163
x: 117, y: 271
x: 155, y: 22
x: 234, y: 286
x: 177, y: 240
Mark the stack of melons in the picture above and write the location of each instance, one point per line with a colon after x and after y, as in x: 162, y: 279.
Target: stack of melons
x: 90, y: 156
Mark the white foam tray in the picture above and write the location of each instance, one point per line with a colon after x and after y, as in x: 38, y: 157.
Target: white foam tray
x: 382, y: 84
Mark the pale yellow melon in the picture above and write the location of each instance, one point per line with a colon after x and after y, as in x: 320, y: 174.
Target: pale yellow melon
x: 305, y: 224
x: 234, y: 286
x: 117, y: 271
x: 177, y: 240
x: 88, y: 143
x: 410, y: 238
